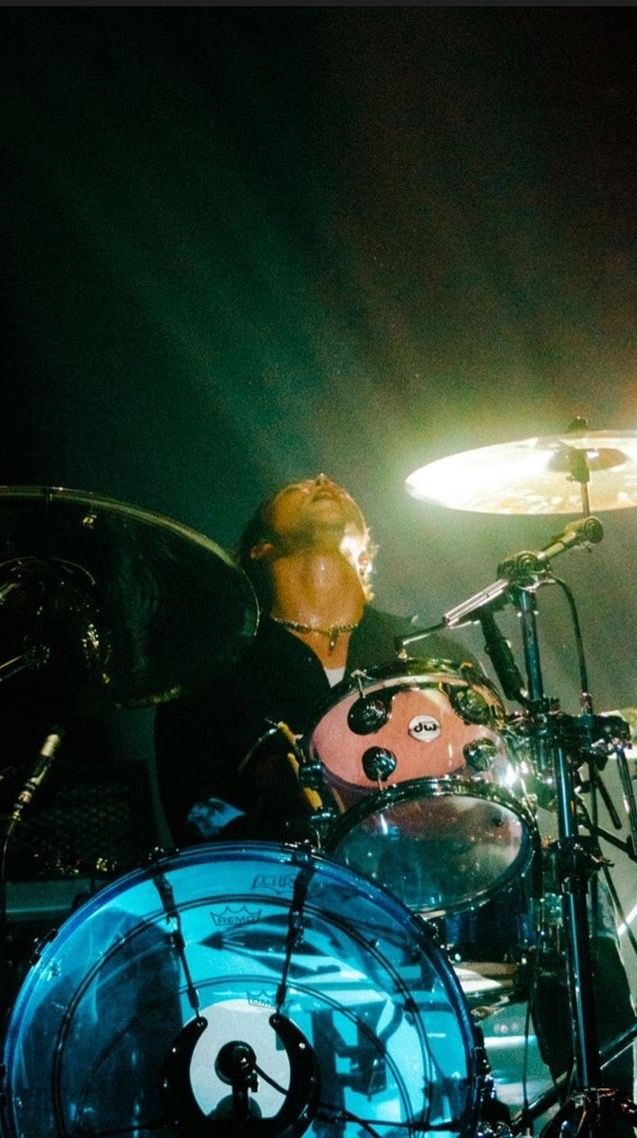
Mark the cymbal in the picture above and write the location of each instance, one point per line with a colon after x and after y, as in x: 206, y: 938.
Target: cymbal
x: 114, y: 605
x: 535, y: 476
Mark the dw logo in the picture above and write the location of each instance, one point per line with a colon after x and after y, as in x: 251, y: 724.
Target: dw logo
x: 424, y: 728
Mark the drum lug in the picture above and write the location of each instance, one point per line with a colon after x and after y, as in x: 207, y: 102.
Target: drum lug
x: 471, y: 705
x: 322, y: 822
x: 480, y: 754
x: 378, y: 763
x: 369, y: 713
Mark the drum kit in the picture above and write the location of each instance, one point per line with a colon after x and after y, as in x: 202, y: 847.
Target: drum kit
x: 248, y: 988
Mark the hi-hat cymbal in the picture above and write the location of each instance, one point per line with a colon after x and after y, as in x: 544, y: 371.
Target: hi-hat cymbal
x: 535, y: 476
x: 114, y: 605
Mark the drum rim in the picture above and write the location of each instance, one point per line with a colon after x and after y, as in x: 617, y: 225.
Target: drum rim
x: 423, y: 670
x: 423, y: 936
x: 443, y: 788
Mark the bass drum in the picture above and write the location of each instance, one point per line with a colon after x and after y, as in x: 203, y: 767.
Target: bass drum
x: 426, y: 798
x: 251, y: 989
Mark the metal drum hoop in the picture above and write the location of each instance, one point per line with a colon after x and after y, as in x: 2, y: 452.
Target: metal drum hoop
x: 378, y: 804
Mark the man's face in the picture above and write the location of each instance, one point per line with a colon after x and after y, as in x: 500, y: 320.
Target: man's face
x: 316, y: 506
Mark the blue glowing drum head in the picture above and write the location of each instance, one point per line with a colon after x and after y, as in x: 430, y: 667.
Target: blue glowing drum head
x: 140, y: 1015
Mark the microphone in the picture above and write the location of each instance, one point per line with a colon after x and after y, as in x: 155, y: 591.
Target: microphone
x: 499, y: 651
x: 46, y: 755
x: 584, y: 531
x: 519, y: 569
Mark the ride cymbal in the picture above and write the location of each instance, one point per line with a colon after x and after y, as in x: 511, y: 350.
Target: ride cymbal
x: 551, y: 475
x: 112, y: 605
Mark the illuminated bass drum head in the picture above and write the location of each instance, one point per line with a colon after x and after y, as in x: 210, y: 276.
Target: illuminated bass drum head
x: 244, y: 989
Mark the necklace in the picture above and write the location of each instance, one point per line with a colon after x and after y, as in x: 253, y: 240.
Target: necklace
x: 332, y: 633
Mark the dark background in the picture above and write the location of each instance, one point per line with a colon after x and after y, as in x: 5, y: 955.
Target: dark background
x: 243, y: 245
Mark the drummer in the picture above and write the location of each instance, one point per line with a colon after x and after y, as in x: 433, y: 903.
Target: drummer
x: 309, y: 555
x: 222, y: 763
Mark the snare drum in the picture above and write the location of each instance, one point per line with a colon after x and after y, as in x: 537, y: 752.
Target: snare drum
x: 426, y: 798
x: 129, y: 1021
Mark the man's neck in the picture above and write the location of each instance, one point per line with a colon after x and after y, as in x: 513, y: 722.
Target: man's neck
x: 321, y: 589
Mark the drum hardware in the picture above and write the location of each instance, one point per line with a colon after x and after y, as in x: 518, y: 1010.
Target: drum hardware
x: 33, y: 657
x: 368, y: 713
x: 494, y: 1115
x: 481, y: 754
x: 549, y: 1098
x: 472, y: 704
x: 104, y: 605
x: 561, y: 744
x: 237, y: 1066
x: 603, y: 739
x: 42, y: 766
x: 378, y: 764
x: 30, y: 788
x: 321, y: 806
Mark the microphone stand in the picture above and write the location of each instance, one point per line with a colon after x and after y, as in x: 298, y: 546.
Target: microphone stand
x: 37, y: 775
x: 554, y: 736
x: 576, y: 864
x: 559, y: 741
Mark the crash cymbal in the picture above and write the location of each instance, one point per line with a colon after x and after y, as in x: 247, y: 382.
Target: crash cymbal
x: 551, y: 475
x: 113, y: 605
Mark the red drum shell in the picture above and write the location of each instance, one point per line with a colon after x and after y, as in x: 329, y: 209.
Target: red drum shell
x: 450, y: 825
x: 424, y: 731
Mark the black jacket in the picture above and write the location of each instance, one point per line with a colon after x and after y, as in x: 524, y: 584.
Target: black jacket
x: 203, y: 739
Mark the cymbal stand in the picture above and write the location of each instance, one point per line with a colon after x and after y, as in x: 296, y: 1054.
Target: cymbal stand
x: 576, y: 864
x: 559, y: 741
x: 629, y: 797
x: 33, y: 657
